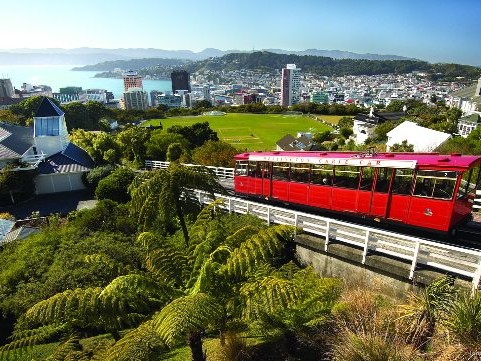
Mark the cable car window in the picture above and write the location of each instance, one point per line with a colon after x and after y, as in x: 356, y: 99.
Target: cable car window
x: 403, y: 181
x: 435, y: 184
x: 322, y: 174
x: 254, y: 169
x: 300, y: 172
x: 280, y: 171
x: 383, y: 179
x: 241, y: 168
x: 466, y: 185
x: 346, y: 177
x: 367, y: 177
x: 266, y: 170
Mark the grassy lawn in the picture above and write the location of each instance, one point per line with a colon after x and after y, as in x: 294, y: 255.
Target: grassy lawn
x: 251, y: 131
x: 332, y: 119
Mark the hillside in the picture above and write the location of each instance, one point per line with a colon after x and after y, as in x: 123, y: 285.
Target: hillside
x: 272, y: 62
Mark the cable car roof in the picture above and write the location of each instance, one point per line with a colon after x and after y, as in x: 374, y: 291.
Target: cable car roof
x: 390, y: 160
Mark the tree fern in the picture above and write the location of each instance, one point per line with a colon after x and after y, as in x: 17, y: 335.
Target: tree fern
x: 134, y: 293
x: 28, y: 338
x: 70, y: 349
x: 240, y: 236
x: 262, y: 247
x: 269, y: 295
x: 167, y: 264
x: 141, y: 344
x: 184, y: 315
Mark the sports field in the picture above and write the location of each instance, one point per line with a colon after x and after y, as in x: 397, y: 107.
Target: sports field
x: 250, y: 131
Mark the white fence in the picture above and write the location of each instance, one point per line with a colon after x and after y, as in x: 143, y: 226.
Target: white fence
x: 221, y: 172
x: 417, y: 251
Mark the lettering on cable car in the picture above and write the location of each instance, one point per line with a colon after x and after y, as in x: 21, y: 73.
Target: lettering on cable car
x: 371, y: 162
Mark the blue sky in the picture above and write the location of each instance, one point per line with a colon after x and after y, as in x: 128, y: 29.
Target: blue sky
x: 436, y: 31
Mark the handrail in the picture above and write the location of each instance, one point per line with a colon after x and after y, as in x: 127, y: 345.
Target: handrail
x: 418, y: 251
x: 221, y: 172
x: 228, y: 173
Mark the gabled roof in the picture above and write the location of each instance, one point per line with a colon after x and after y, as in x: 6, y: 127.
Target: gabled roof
x: 6, y: 226
x: 48, y: 109
x: 15, y: 140
x: 73, y: 159
x: 379, y: 117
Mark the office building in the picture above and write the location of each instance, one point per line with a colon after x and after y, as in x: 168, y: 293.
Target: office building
x: 135, y: 98
x: 180, y: 81
x: 6, y: 89
x: 132, y: 80
x: 290, y: 85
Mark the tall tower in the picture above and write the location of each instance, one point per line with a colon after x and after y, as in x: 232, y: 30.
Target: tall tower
x: 290, y: 85
x: 180, y: 80
x: 6, y: 88
x: 478, y: 88
x: 132, y: 80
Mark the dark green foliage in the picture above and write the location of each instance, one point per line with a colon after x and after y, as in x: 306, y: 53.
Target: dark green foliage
x: 27, y: 108
x: 159, y: 142
x: 115, y: 185
x: 196, y: 134
x: 93, y: 177
x: 174, y: 152
x: 16, y: 185
x: 215, y: 153
x: 403, y: 147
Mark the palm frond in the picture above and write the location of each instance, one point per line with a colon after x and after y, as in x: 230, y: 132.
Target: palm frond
x: 184, y: 315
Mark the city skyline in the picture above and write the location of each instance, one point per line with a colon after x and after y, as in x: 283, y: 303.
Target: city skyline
x: 435, y: 31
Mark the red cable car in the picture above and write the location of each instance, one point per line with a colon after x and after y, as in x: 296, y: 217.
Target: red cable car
x: 425, y: 190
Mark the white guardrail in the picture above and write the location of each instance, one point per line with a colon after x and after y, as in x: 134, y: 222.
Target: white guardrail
x: 221, y: 172
x: 417, y: 251
x: 228, y: 173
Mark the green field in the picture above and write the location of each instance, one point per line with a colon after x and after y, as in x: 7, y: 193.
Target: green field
x: 250, y: 131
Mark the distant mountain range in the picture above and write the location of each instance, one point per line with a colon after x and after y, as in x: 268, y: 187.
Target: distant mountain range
x: 88, y: 56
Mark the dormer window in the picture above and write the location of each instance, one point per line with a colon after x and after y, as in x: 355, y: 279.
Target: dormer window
x: 46, y: 126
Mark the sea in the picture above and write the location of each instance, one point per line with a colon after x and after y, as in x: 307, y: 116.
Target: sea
x: 60, y: 76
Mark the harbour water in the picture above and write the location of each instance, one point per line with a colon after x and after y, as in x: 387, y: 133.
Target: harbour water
x: 60, y: 76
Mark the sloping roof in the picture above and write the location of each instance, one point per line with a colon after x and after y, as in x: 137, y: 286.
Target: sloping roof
x: 48, y: 109
x: 6, y: 226
x: 79, y: 155
x: 288, y: 142
x: 423, y: 139
x: 15, y: 140
x: 379, y: 117
x: 72, y: 160
x: 19, y: 233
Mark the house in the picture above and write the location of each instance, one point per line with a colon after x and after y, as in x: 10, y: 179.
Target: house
x: 288, y: 142
x: 21, y: 232
x: 47, y: 148
x: 468, y: 99
x: 467, y: 124
x: 423, y: 139
x: 364, y: 124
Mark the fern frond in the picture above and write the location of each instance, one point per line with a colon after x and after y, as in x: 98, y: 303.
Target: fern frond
x: 184, y: 315
x: 28, y: 338
x: 62, y: 307
x: 240, y: 236
x: 262, y: 247
x: 143, y: 343
x: 269, y: 295
x: 200, y: 227
x: 147, y: 240
x: 134, y: 293
x: 67, y: 348
x: 167, y: 264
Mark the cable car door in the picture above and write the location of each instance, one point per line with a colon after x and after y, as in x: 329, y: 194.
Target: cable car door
x: 266, y: 179
x: 380, y: 193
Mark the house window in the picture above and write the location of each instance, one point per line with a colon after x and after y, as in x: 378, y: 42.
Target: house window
x: 46, y: 126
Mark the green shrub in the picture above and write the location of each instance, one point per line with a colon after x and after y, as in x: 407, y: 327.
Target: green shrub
x: 115, y: 186
x: 92, y: 178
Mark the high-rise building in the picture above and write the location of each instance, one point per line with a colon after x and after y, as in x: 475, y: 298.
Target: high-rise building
x: 135, y: 98
x: 6, y: 88
x: 180, y: 80
x: 290, y: 85
x: 132, y: 80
